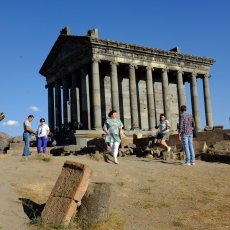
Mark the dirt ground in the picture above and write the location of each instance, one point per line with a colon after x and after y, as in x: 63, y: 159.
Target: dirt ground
x: 147, y: 194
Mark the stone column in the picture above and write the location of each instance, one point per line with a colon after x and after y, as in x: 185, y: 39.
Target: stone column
x: 51, y: 107
x: 85, y: 100
x: 194, y: 99
x: 65, y: 99
x: 180, y: 89
x: 150, y: 98
x: 114, y: 87
x: 74, y: 99
x: 96, y: 94
x: 133, y: 97
x: 165, y: 89
x: 58, y: 108
x: 207, y: 101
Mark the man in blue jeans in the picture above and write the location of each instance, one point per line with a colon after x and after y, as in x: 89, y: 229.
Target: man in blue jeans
x: 186, y: 126
x: 28, y: 131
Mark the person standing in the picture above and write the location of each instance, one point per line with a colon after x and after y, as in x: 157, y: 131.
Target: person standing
x: 112, y: 128
x: 163, y: 134
x: 186, y: 126
x: 42, y: 134
x: 28, y: 131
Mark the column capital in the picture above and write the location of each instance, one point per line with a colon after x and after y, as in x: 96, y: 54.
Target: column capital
x: 207, y: 75
x: 180, y: 71
x: 149, y: 67
x: 132, y: 65
x: 96, y: 59
x: 165, y: 69
x: 194, y: 74
x: 114, y: 63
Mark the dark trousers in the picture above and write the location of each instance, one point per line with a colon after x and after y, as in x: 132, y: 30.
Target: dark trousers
x: 42, y: 142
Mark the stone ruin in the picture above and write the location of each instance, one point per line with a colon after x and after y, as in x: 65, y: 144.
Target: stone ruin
x: 71, y: 195
x: 67, y: 193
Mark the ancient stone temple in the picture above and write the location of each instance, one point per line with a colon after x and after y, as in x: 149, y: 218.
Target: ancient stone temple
x: 87, y: 76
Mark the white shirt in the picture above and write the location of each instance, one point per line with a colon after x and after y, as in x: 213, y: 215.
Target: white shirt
x: 163, y: 126
x: 43, y: 130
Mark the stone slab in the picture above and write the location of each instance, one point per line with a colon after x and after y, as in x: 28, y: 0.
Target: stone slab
x: 69, y: 189
x: 73, y: 181
x: 59, y: 211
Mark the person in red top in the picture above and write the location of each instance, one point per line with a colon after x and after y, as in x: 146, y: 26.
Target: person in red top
x: 186, y: 126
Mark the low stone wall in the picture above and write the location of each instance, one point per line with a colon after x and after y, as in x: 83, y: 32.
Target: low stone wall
x: 211, y: 137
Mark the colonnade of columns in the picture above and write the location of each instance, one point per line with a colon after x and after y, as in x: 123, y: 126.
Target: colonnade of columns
x: 87, y: 110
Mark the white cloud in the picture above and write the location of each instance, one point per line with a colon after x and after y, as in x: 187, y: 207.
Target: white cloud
x: 11, y: 123
x: 34, y: 108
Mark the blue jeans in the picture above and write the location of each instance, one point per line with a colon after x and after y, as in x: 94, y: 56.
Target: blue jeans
x: 188, y: 148
x: 42, y: 142
x: 26, y: 138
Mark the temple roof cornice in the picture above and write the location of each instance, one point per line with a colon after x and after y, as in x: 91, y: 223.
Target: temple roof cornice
x: 151, y: 51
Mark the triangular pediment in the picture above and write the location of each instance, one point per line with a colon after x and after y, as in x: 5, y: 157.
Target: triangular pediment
x: 64, y: 47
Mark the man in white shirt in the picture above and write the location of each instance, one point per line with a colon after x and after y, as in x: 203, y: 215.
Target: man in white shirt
x: 42, y: 133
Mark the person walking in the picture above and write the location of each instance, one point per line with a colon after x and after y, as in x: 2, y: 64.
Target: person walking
x: 42, y: 134
x: 112, y: 128
x: 186, y: 126
x: 28, y: 131
x: 163, y: 133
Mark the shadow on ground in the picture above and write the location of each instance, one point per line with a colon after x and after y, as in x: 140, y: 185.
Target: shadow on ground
x: 31, y: 209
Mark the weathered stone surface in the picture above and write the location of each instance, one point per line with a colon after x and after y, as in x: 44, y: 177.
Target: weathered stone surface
x: 73, y: 181
x: 4, y: 141
x: 95, y: 203
x: 17, y: 139
x: 59, y: 211
x: 222, y: 145
x: 227, y: 136
x: 2, y: 116
x: 150, y: 156
x: 200, y: 146
x: 69, y: 189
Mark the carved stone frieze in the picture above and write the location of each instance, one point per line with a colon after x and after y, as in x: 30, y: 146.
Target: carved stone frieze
x: 130, y: 55
x: 150, y: 51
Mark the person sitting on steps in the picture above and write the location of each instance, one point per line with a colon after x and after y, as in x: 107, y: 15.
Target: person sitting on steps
x: 163, y: 133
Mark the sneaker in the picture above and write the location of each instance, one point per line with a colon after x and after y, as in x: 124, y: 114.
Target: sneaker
x: 169, y: 149
x: 186, y: 164
x: 193, y: 163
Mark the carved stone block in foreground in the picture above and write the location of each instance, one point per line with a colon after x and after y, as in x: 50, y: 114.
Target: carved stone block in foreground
x: 95, y: 203
x: 68, y: 190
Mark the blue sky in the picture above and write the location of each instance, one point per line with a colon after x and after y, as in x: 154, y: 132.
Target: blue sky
x: 30, y: 28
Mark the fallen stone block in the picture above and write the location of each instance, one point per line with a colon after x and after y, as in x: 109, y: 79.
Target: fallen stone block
x: 69, y: 189
x: 59, y: 211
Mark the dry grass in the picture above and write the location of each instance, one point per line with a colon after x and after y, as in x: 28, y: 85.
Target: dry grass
x: 36, y: 192
x: 114, y: 222
x: 145, y: 204
x: 147, y: 190
x: 97, y: 156
x: 40, y: 157
x: 2, y: 156
x: 177, y: 222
